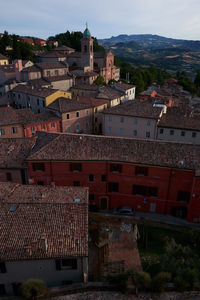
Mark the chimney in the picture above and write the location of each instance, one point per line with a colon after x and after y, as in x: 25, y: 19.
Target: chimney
x: 44, y: 245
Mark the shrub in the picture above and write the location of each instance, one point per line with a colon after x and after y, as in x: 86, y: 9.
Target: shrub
x: 118, y: 280
x: 191, y: 277
x: 160, y: 280
x: 142, y: 280
x: 180, y: 284
x: 33, y: 288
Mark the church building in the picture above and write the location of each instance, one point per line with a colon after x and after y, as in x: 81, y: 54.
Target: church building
x: 87, y: 65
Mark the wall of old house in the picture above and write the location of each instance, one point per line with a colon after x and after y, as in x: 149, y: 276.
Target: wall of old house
x: 43, y: 269
x: 179, y: 135
x: 12, y: 131
x: 50, y: 126
x: 168, y: 182
x: 83, y: 123
x: 64, y: 85
x: 12, y: 175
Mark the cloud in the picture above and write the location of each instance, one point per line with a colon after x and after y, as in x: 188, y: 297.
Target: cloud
x: 172, y: 18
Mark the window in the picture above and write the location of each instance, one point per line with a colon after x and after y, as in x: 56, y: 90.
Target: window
x: 76, y: 183
x: 38, y: 111
x: 95, y: 110
x: 32, y: 129
x: 52, y: 125
x: 116, y: 168
x: 182, y: 133
x: 38, y: 167
x: 148, y: 122
x: 194, y: 134
x: 43, y: 126
x: 67, y: 116
x: 2, y: 289
x: 183, y: 196
x: 86, y: 113
x: 121, y: 131
x: 18, y: 96
x: 113, y: 187
x: 110, y: 118
x: 161, y: 130
x: 38, y: 102
x: 135, y: 121
x: 40, y: 182
x: 171, y: 132
x: 66, y: 264
x: 145, y: 191
x: 14, y: 130
x: 91, y: 177
x: 2, y: 131
x: 103, y: 178
x: 8, y: 176
x: 141, y: 171
x: 48, y: 73
x: 76, y: 167
x: 77, y: 114
x: 56, y: 72
x: 43, y: 103
x: 147, y: 134
x: 91, y: 197
x: 134, y: 132
x: 109, y: 130
x: 2, y: 267
x: 121, y: 119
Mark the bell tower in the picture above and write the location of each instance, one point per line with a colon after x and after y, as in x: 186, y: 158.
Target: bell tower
x: 87, y: 55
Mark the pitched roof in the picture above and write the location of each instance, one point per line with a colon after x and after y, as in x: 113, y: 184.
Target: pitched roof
x: 123, y: 86
x: 45, y: 65
x: 134, y: 108
x: 30, y: 90
x: 13, y: 152
x: 106, y: 92
x: 174, y: 119
x: 19, y: 193
x: 88, y: 87
x: 8, y: 68
x: 3, y: 56
x: 43, y: 230
x: 64, y: 105
x: 91, y: 100
x: 53, y: 54
x: 102, y: 148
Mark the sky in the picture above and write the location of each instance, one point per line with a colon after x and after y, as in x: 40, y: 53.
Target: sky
x: 43, y: 18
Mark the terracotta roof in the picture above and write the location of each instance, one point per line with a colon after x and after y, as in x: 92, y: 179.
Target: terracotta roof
x: 63, y: 48
x: 3, y: 56
x: 33, y: 68
x: 58, y: 78
x: 174, y: 119
x: 52, y: 54
x: 45, y: 65
x: 19, y: 193
x: 64, y: 105
x: 90, y: 100
x: 30, y: 90
x: 102, y: 148
x: 88, y: 87
x: 43, y: 230
x: 88, y: 74
x: 75, y: 54
x: 135, y: 108
x: 109, y: 93
x: 8, y: 68
x: 40, y: 82
x: 13, y: 152
x: 9, y: 115
x: 123, y: 86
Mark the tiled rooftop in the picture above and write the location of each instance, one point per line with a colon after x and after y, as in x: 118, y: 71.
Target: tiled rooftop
x: 13, y: 152
x: 91, y: 101
x: 45, y: 65
x: 67, y: 147
x: 124, y: 86
x: 18, y: 193
x: 135, y: 109
x: 64, y: 105
x: 43, y: 230
x: 3, y: 56
x: 8, y: 68
x: 106, y: 92
x: 88, y: 87
x: 52, y: 54
x: 30, y: 90
x: 174, y: 119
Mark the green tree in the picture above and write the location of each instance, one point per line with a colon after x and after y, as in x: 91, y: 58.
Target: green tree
x: 99, y: 80
x: 33, y: 288
x: 197, y: 79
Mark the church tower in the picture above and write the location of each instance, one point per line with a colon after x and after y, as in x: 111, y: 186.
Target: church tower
x: 87, y: 55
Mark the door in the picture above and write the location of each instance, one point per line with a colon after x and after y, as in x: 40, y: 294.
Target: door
x: 103, y: 203
x: 152, y: 207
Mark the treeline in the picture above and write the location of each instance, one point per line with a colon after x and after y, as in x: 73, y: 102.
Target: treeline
x: 19, y: 50
x: 73, y: 40
x: 141, y: 77
x: 191, y: 86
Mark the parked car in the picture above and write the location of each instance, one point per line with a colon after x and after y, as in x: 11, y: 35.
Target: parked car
x: 124, y: 210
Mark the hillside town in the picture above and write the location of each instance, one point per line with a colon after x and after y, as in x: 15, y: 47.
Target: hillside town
x: 73, y: 151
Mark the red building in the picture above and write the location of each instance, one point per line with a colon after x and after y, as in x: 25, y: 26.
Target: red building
x: 151, y: 176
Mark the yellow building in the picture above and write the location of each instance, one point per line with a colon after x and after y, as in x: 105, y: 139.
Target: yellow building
x: 3, y: 60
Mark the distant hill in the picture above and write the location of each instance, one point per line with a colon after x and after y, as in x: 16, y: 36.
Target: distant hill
x: 144, y: 50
